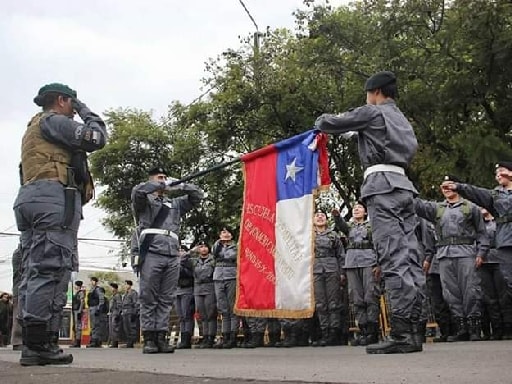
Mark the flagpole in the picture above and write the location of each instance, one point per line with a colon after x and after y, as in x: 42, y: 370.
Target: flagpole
x: 205, y: 171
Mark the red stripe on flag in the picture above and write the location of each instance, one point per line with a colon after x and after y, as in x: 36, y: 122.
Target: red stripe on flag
x: 323, y: 159
x: 256, y: 276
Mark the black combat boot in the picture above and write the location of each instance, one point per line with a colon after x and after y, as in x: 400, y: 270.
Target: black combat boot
x: 231, y: 340
x: 149, y: 342
x: 444, y: 332
x: 418, y: 334
x: 461, y: 330
x: 163, y: 343
x: 360, y: 339
x: 256, y: 340
x: 475, y: 329
x: 497, y: 330
x: 333, y: 337
x: 76, y: 344
x: 247, y: 340
x: 273, y: 339
x: 372, y: 333
x: 507, y: 331
x: 53, y: 340
x: 37, y: 350
x: 290, y: 338
x: 115, y: 344
x: 185, y: 338
x: 400, y: 340
x: 209, y: 342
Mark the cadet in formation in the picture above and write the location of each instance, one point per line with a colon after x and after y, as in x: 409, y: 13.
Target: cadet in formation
x: 48, y: 208
x: 185, y: 307
x: 498, y: 202
x: 224, y: 251
x: 130, y: 313
x: 77, y: 307
x: 327, y: 278
x: 156, y: 246
x: 363, y: 273
x: 115, y: 321
x: 204, y: 294
x: 462, y: 244
x: 98, y: 310
x: 387, y: 144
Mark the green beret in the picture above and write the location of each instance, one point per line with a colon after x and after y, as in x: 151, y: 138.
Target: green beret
x: 56, y: 88
x: 379, y: 80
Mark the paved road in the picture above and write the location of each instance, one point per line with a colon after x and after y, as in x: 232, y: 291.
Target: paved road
x: 454, y: 363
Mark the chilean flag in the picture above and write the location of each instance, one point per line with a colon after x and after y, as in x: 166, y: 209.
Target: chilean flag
x: 276, y: 252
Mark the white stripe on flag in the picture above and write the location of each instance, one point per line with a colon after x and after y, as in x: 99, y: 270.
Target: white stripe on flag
x: 293, y: 257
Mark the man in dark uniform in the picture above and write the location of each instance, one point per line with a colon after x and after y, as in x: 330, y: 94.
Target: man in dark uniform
x: 130, y: 313
x: 387, y: 145
x: 97, y: 313
x: 185, y: 299
x: 115, y: 316
x: 78, y: 306
x: 157, y: 245
x: 48, y: 209
x: 16, y: 334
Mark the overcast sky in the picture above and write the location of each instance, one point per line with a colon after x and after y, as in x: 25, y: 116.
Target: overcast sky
x: 128, y: 53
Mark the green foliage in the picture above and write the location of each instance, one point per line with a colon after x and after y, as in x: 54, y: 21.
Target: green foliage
x: 451, y: 59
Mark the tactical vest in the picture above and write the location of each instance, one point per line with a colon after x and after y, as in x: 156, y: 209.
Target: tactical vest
x: 366, y: 243
x: 43, y: 160
x: 40, y: 159
x: 455, y: 240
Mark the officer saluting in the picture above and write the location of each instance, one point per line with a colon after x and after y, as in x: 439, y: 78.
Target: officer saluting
x: 157, y: 245
x: 387, y: 145
x: 56, y: 182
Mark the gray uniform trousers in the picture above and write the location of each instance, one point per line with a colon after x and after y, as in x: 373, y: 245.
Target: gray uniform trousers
x: 47, y: 253
x: 158, y: 282
x: 364, y: 293
x: 461, y: 286
x: 504, y: 256
x: 77, y: 325
x: 99, y: 324
x: 206, y: 305
x: 225, y: 291
x: 115, y: 327
x: 492, y: 287
x: 393, y: 222
x: 327, y: 286
x: 185, y: 309
x: 16, y: 280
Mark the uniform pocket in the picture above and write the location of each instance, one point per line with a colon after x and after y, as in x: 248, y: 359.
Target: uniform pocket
x: 51, y: 250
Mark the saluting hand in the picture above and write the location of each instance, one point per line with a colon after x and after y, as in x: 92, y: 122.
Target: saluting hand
x: 426, y: 266
x: 479, y: 261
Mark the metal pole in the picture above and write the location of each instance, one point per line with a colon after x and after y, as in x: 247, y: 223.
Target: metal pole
x: 205, y: 171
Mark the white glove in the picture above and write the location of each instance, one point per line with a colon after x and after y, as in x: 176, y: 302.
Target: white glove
x: 348, y: 135
x: 171, y: 180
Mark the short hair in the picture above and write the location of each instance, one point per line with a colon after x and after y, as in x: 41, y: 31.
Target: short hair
x: 390, y: 90
x: 49, y: 99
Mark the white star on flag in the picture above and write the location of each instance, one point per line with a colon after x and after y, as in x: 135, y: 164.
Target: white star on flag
x: 292, y: 170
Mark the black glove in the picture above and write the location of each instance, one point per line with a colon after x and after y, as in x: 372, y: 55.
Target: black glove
x: 134, y: 317
x: 77, y: 105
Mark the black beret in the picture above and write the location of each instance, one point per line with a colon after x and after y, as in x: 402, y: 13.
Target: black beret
x: 157, y: 171
x: 379, y: 80
x: 505, y: 164
x: 79, y: 283
x: 226, y: 228
x: 56, y: 88
x: 453, y: 178
x: 94, y: 278
x: 114, y: 285
x: 202, y: 242
x: 129, y: 282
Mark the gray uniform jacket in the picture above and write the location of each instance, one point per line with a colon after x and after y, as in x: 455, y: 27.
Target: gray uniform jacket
x: 499, y: 203
x: 146, y: 205
x: 203, y: 275
x: 225, y: 261
x: 454, y: 224
x: 130, y: 303
x: 329, y: 252
x: 490, y: 226
x: 425, y: 233
x: 116, y: 306
x: 360, y: 252
x: 186, y: 278
x: 385, y: 136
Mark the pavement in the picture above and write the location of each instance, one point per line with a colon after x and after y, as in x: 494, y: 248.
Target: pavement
x: 487, y: 362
